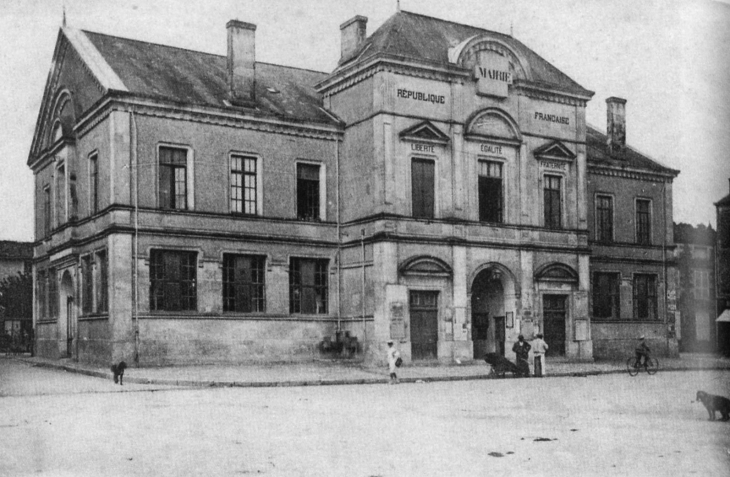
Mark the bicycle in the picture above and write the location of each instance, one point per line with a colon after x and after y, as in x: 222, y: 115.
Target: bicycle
x: 651, y: 365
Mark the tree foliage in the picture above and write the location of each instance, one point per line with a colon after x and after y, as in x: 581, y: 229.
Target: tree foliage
x: 16, y: 296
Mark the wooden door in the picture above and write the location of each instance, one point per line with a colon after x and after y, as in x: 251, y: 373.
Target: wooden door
x: 554, y: 314
x: 424, y: 324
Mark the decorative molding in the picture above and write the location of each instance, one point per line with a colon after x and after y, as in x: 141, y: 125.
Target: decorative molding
x: 556, y: 272
x: 425, y: 131
x: 554, y: 150
x: 425, y: 265
x: 546, y: 94
x: 629, y: 173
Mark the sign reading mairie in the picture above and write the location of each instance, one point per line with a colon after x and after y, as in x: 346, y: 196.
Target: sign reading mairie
x: 493, y: 75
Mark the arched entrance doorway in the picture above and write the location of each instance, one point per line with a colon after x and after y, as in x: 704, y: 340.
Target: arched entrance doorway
x: 491, y: 291
x: 67, y: 315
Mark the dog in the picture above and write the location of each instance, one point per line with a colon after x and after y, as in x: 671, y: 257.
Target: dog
x: 715, y: 404
x: 501, y: 365
x: 118, y: 370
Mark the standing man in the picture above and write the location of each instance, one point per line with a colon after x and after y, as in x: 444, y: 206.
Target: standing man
x: 539, y: 348
x: 393, y: 356
x: 521, y: 348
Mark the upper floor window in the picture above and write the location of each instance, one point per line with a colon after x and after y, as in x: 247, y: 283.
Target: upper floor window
x: 47, y: 211
x: 94, y: 183
x: 604, y: 218
x: 491, y: 195
x: 42, y: 293
x: 60, y: 189
x: 308, y: 189
x: 552, y: 201
x: 308, y: 286
x: 244, y: 186
x: 645, y: 297
x: 701, y: 284
x: 87, y: 285
x: 101, y: 282
x: 173, y: 178
x: 173, y: 280
x: 243, y: 283
x: 422, y: 188
x: 606, y: 296
x: 643, y: 221
x: 53, y: 296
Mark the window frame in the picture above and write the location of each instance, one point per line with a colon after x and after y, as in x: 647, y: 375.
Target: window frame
x: 61, y: 203
x: 649, y: 217
x: 501, y: 207
x: 320, y: 271
x: 258, y: 177
x: 322, y: 185
x: 159, y: 282
x: 101, y: 281
x: 613, y: 297
x: 258, y: 304
x: 87, y: 283
x: 434, y: 203
x: 601, y: 235
x: 652, y: 301
x: 47, y: 210
x: 189, y: 176
x: 94, y: 183
x: 545, y: 182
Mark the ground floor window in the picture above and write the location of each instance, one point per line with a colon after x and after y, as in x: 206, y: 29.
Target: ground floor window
x: 645, y: 297
x: 308, y: 286
x: 243, y: 283
x: 173, y: 280
x: 606, y: 296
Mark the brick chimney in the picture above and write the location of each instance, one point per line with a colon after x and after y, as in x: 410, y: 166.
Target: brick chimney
x: 353, y: 34
x: 616, y: 125
x: 241, y: 62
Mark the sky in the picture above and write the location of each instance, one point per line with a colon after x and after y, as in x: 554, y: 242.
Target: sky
x: 668, y: 59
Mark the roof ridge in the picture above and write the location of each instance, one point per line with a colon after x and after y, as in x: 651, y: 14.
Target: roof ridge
x: 454, y: 23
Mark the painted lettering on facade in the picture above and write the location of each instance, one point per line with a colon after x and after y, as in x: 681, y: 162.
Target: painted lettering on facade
x: 423, y: 148
x: 491, y: 149
x: 493, y: 74
x: 560, y: 166
x: 553, y: 118
x: 421, y: 96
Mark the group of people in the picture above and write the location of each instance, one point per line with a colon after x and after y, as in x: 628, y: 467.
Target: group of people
x: 522, y: 348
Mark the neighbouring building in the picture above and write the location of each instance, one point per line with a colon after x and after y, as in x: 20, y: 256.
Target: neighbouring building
x: 696, y: 302
x: 440, y: 187
x: 722, y: 277
x: 16, y: 289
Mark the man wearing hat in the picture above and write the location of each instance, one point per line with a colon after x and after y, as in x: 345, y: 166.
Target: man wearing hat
x: 642, y: 350
x: 393, y: 356
x: 521, y: 348
x: 539, y: 348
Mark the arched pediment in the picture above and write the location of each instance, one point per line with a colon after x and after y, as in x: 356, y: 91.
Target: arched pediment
x: 63, y: 118
x: 556, y: 272
x: 425, y: 265
x: 494, y: 123
x: 466, y: 54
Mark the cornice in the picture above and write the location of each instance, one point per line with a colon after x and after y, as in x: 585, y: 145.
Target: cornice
x: 548, y: 94
x: 630, y: 173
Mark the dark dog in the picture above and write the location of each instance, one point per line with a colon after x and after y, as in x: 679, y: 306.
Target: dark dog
x: 501, y: 365
x: 118, y: 370
x: 715, y: 404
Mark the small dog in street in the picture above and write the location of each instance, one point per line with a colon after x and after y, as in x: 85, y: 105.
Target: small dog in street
x: 118, y: 370
x: 715, y: 404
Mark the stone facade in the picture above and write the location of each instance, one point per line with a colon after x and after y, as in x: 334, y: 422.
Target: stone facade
x: 441, y: 198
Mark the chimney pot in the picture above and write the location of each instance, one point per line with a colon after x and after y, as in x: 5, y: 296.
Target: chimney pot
x: 616, y: 124
x: 353, y: 34
x: 241, y: 61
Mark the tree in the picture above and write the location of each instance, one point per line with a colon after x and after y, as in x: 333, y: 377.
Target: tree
x: 16, y: 296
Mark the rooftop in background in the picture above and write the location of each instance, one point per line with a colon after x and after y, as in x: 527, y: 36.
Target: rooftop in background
x: 10, y: 250
x: 424, y: 38
x: 699, y: 235
x: 598, y: 154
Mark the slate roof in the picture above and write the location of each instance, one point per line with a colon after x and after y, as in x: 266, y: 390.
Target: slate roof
x: 197, y: 78
x: 10, y: 250
x: 424, y: 38
x: 724, y: 201
x: 597, y: 154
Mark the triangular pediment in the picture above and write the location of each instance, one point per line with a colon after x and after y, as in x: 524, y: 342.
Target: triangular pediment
x: 425, y: 131
x: 554, y: 150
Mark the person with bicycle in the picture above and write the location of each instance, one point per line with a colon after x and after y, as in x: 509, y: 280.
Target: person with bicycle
x: 642, y: 351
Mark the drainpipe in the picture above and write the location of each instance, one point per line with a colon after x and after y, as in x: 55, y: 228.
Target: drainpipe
x: 339, y: 240
x: 135, y: 252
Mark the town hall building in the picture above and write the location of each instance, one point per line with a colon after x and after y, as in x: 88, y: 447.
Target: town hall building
x: 440, y: 188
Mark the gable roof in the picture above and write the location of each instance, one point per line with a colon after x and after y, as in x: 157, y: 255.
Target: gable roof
x: 598, y: 155
x: 193, y: 77
x: 425, y: 38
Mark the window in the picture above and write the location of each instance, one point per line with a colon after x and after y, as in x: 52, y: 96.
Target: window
x: 645, y: 299
x: 52, y: 294
x: 102, y: 282
x: 606, y: 296
x: 243, y: 185
x: 61, y: 195
x: 42, y: 290
x: 308, y: 192
x: 93, y: 184
x: 87, y: 284
x: 173, y: 178
x: 422, y: 188
x: 604, y: 218
x: 243, y: 283
x: 551, y: 195
x: 173, y: 280
x: 46, y: 211
x: 490, y: 191
x: 701, y: 284
x: 308, y: 286
x: 643, y: 221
